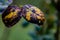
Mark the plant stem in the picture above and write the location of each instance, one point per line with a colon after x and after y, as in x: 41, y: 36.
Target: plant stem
x: 6, y: 34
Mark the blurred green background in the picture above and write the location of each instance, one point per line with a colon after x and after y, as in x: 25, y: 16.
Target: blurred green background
x: 21, y: 30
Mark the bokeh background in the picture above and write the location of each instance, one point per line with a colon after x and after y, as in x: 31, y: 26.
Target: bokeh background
x: 24, y: 30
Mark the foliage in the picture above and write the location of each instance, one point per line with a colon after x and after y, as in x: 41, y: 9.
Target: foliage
x: 46, y: 32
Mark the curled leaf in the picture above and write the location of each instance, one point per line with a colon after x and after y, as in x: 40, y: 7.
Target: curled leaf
x: 11, y: 15
x: 33, y: 14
